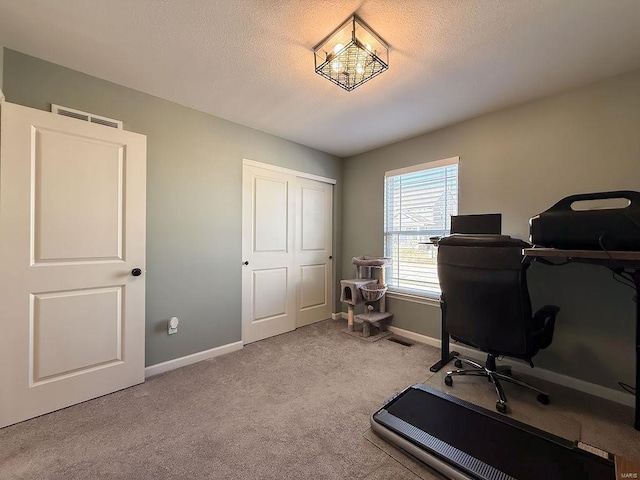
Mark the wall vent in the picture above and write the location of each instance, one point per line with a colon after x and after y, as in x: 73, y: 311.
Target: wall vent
x: 401, y: 341
x: 86, y: 117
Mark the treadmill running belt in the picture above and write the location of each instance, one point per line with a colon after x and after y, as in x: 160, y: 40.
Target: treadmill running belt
x: 495, y: 446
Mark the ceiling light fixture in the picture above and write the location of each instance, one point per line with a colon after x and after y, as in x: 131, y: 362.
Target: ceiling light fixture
x: 351, y: 55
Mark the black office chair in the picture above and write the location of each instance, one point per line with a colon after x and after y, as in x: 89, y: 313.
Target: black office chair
x: 485, y: 303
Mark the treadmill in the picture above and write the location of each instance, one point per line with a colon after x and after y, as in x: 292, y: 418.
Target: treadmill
x: 466, y: 442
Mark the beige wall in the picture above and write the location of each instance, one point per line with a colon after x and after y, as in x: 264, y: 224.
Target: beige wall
x: 520, y: 161
x: 194, y: 174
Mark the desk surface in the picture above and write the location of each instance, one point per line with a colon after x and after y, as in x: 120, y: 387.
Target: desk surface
x: 633, y: 257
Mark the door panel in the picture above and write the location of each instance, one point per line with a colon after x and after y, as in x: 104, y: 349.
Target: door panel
x: 313, y: 218
x: 313, y: 286
x: 63, y: 208
x: 64, y: 342
x: 72, y: 227
x: 314, y: 249
x: 269, y: 293
x: 271, y: 215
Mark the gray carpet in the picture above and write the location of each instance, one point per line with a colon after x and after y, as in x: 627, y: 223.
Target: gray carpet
x: 293, y: 406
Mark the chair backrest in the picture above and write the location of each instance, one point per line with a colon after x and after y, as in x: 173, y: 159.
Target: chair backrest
x: 485, y: 299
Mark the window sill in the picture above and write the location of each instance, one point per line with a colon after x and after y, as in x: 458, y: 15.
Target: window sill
x: 412, y: 297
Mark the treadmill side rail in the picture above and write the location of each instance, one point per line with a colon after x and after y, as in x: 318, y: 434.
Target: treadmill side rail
x: 434, y: 452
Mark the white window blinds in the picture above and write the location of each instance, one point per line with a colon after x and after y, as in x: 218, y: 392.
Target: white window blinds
x: 418, y: 204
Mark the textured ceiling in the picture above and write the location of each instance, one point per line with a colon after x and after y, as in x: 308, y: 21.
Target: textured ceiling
x: 251, y: 61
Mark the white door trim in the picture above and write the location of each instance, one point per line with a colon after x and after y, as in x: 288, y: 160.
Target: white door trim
x: 275, y: 168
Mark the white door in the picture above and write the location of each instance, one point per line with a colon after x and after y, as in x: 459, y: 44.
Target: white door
x: 268, y: 275
x: 72, y: 230
x: 314, y: 256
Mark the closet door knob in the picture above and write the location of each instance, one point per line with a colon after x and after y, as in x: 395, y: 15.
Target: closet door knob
x: 245, y: 262
x: 136, y: 272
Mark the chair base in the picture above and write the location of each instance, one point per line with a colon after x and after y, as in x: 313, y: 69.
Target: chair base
x: 494, y: 375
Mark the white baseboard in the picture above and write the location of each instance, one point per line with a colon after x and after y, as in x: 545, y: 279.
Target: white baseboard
x: 522, y: 368
x: 338, y: 316
x: 189, y: 359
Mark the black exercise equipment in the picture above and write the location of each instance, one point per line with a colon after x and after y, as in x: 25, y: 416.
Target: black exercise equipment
x: 464, y: 441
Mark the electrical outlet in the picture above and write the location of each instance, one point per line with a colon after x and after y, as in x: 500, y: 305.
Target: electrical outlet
x: 172, y: 325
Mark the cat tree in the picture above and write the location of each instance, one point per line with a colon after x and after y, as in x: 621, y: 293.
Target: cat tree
x: 367, y: 289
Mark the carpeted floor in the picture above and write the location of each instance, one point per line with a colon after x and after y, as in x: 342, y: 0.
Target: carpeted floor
x: 292, y: 406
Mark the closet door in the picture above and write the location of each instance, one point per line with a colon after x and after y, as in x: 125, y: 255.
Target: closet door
x: 314, y: 254
x: 287, y: 232
x: 268, y: 274
x: 72, y: 250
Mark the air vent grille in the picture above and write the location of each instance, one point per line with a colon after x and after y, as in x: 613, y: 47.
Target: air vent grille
x: 86, y: 117
x: 79, y: 116
x: 105, y: 122
x: 401, y: 341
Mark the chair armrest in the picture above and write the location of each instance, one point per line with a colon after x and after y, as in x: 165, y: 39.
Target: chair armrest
x: 543, y: 322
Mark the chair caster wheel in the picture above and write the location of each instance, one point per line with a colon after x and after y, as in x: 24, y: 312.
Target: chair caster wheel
x: 501, y: 407
x: 543, y: 398
x: 458, y: 363
x: 448, y: 380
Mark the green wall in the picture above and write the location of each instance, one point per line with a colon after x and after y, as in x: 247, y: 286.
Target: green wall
x: 519, y: 161
x: 194, y: 175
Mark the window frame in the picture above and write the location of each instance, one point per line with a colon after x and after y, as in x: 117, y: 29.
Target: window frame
x: 421, y: 296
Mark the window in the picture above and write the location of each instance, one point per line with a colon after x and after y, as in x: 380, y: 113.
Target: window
x: 418, y: 204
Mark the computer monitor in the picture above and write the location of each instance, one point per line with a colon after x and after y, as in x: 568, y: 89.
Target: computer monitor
x: 488, y: 223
